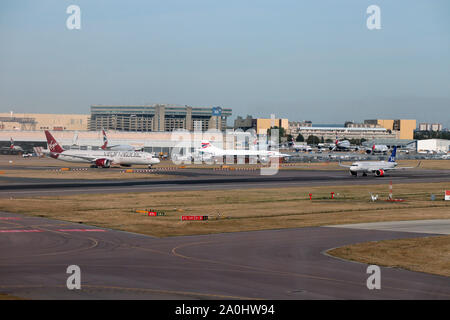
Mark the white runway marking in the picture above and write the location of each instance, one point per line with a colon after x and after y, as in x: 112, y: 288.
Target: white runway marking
x: 437, y: 226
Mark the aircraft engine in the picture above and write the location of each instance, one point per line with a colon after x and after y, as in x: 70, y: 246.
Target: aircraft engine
x: 379, y: 173
x: 104, y: 163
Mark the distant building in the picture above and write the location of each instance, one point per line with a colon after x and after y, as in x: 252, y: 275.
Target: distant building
x: 430, y: 127
x: 404, y: 129
x: 294, y: 126
x: 260, y: 125
x: 43, y: 121
x: 330, y: 133
x: 433, y: 145
x: 350, y: 124
x: 244, y: 124
x: 158, y: 118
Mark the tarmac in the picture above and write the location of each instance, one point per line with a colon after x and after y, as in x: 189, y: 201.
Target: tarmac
x: 207, y: 179
x: 273, y: 264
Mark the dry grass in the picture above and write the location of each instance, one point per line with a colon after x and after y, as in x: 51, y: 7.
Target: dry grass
x: 93, y: 174
x: 4, y: 296
x: 430, y: 254
x: 252, y: 209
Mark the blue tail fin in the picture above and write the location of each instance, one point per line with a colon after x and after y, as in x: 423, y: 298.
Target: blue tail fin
x: 392, y: 157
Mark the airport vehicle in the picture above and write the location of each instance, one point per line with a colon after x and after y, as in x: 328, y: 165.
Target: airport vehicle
x: 377, y: 168
x: 102, y: 159
x: 117, y: 147
x: 27, y: 155
x: 215, y: 152
x: 377, y: 148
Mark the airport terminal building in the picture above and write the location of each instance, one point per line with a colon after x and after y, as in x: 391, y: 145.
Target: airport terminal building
x: 157, y: 118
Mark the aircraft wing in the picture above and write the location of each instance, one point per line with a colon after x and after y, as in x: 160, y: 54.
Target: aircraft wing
x: 400, y: 168
x: 89, y: 158
x: 343, y: 165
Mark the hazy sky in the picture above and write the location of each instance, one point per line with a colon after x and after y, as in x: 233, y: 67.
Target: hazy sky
x: 304, y: 60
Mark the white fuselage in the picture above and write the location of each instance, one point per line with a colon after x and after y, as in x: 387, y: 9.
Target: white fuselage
x: 301, y: 147
x: 217, y: 152
x: 380, y: 148
x: 116, y: 157
x: 372, y: 166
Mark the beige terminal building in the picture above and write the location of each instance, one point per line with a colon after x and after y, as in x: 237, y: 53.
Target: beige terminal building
x: 43, y: 121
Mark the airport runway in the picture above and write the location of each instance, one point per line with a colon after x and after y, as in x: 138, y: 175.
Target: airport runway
x: 273, y: 264
x: 201, y: 179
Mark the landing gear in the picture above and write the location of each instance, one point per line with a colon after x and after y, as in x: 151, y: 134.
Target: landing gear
x: 354, y: 173
x: 364, y: 174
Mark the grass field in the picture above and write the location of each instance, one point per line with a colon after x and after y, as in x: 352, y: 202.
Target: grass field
x: 4, y: 296
x: 430, y: 254
x: 240, y: 210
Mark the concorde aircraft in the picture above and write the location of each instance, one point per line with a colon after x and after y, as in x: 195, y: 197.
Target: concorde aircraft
x: 377, y: 168
x: 102, y: 159
x: 215, y: 152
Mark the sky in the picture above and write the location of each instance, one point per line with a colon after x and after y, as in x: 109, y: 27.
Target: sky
x: 301, y: 60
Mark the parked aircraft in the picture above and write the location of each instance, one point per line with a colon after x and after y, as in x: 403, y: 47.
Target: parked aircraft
x: 215, y: 152
x: 343, y: 145
x: 14, y: 147
x: 300, y: 147
x: 117, y: 147
x: 377, y: 168
x: 377, y: 148
x: 96, y: 158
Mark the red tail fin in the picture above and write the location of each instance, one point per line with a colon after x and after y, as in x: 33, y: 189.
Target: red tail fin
x: 53, y: 146
x: 105, y: 140
x: 12, y: 144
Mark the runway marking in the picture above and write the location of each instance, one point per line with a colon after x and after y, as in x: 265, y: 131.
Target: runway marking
x: 81, y: 230
x: 20, y: 230
x: 94, y: 244
x: 161, y: 291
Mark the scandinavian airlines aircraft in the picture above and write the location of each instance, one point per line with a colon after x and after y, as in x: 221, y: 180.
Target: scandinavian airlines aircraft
x: 264, y: 155
x: 377, y: 168
x: 102, y: 159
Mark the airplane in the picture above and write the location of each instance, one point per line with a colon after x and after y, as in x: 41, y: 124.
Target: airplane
x: 13, y: 147
x: 118, y: 147
x: 97, y: 158
x: 377, y: 168
x: 377, y: 148
x: 264, y: 155
x: 300, y: 147
x: 343, y: 145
